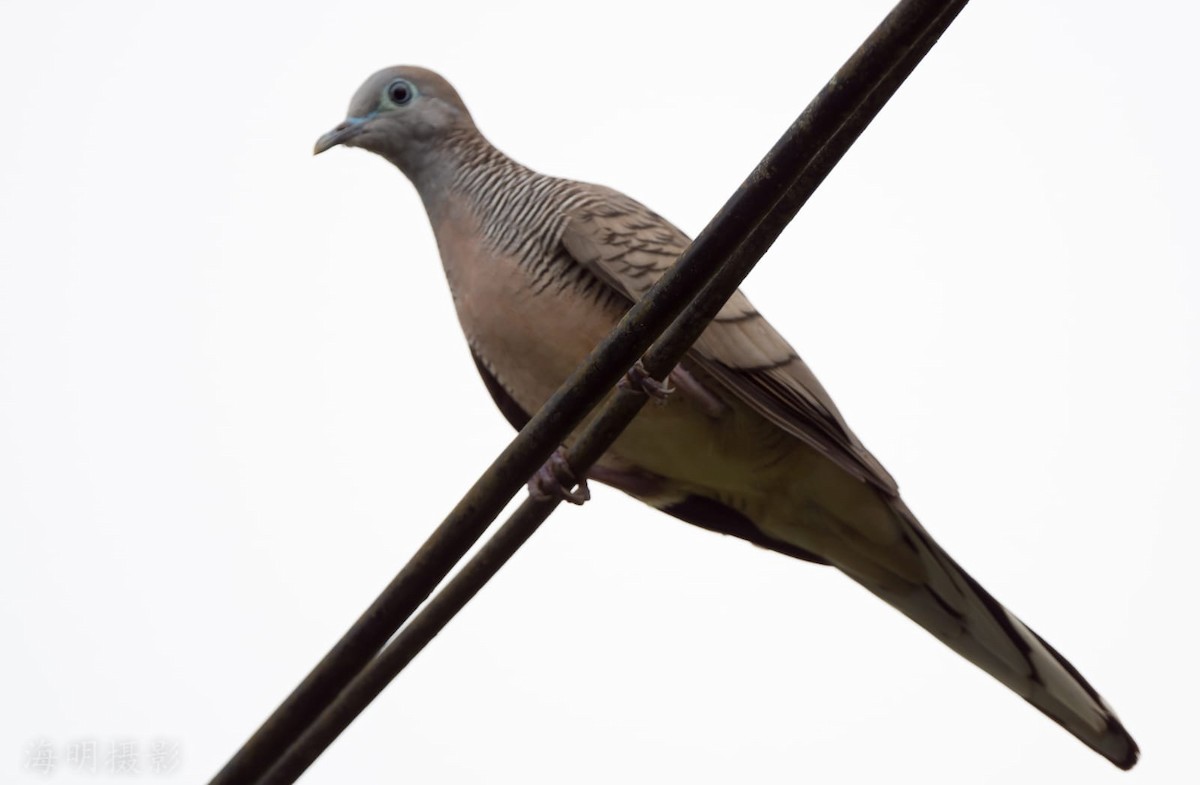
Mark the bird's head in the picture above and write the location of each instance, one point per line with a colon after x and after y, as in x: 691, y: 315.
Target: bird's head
x: 401, y: 113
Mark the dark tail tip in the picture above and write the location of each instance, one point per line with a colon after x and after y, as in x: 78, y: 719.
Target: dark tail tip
x: 1126, y: 754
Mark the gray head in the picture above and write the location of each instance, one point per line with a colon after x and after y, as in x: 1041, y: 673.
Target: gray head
x: 402, y: 113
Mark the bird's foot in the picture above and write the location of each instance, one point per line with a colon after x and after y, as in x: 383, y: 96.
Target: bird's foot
x: 556, y: 479
x: 638, y: 378
x: 692, y: 389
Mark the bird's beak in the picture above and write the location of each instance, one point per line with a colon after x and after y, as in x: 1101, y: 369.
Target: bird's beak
x: 342, y: 132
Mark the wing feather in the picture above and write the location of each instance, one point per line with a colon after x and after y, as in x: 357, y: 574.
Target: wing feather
x: 629, y: 247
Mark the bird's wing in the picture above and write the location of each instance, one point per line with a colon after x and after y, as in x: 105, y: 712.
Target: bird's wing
x: 629, y: 247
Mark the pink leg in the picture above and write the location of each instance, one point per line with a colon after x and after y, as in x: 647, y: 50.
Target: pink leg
x: 638, y: 378
x: 710, y: 404
x: 632, y: 481
x: 556, y: 479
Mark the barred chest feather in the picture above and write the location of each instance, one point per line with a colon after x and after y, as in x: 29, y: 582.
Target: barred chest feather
x: 513, y: 295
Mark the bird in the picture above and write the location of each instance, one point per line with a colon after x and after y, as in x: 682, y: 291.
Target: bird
x: 748, y: 444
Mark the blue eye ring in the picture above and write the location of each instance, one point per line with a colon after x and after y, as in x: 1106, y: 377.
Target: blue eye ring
x: 401, y: 92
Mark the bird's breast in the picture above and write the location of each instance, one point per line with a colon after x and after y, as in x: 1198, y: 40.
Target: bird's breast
x: 530, y: 325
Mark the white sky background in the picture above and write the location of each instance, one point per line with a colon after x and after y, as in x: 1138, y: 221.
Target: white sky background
x: 234, y: 397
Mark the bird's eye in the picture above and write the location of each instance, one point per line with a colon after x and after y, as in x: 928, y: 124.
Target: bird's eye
x: 400, y: 92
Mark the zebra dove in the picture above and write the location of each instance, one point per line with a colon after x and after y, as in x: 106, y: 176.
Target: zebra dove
x: 750, y: 445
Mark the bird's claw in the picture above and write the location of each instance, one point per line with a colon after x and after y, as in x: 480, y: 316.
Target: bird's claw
x: 638, y: 378
x: 556, y: 479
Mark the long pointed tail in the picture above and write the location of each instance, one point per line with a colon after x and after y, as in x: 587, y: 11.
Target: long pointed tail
x: 935, y: 592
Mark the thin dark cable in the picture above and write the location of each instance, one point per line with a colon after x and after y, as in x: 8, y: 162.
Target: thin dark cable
x: 811, y: 148
x: 507, y: 474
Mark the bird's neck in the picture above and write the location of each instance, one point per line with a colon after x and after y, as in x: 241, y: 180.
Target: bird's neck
x: 464, y: 166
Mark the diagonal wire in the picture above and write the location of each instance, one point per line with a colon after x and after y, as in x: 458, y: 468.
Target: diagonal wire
x: 803, y: 157
x: 507, y: 474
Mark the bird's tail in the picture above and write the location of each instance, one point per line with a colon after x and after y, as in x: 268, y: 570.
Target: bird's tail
x: 932, y: 590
